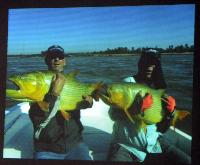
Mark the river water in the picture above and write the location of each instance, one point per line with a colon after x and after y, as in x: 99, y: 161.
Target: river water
x: 178, y: 72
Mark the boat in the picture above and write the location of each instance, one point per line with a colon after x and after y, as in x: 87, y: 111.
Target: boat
x: 97, y: 132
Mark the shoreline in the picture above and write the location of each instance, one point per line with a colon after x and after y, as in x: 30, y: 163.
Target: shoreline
x: 99, y: 54
x: 133, y: 54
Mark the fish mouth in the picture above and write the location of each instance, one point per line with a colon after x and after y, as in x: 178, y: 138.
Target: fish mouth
x: 14, y: 85
x: 105, y: 95
x: 14, y: 91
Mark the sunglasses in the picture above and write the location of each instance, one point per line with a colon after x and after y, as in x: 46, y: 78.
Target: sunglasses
x: 59, y: 56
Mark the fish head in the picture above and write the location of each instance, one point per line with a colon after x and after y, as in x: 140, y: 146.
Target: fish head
x: 115, y: 95
x: 30, y: 87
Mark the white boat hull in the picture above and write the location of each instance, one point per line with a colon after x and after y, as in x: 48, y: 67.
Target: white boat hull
x: 97, y: 127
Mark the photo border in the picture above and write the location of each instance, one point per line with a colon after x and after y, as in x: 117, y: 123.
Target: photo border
x: 9, y: 4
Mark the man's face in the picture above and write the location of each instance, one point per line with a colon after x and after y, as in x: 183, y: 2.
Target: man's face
x: 149, y: 70
x: 57, y: 64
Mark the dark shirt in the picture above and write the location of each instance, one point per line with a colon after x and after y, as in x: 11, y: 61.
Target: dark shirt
x: 59, y: 135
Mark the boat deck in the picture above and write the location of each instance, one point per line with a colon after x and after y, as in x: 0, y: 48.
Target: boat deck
x: 97, y: 133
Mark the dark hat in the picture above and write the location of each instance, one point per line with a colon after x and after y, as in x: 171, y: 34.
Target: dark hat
x: 152, y: 53
x: 149, y: 57
x: 54, y: 51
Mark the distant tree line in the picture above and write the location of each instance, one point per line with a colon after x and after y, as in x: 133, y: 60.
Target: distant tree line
x: 170, y: 49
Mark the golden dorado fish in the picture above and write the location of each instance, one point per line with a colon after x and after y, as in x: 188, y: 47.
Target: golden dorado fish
x: 34, y: 85
x: 128, y: 98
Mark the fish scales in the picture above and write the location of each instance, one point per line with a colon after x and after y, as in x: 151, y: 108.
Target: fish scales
x: 124, y: 95
x: 34, y: 85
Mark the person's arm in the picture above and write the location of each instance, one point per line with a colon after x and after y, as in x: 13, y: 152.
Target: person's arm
x: 50, y: 98
x: 51, y: 131
x: 43, y: 114
x: 86, y: 103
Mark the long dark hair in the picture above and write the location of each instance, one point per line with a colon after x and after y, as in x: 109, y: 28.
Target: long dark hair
x: 151, y: 58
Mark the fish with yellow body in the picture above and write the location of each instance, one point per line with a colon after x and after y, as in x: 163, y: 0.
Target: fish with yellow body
x: 125, y: 96
x: 34, y: 85
x: 128, y: 98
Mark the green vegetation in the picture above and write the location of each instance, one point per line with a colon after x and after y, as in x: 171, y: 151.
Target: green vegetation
x: 125, y: 50
x: 179, y: 49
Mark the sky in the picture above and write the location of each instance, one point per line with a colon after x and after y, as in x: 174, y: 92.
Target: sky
x: 85, y: 29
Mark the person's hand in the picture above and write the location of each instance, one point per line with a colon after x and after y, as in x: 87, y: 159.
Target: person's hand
x: 87, y: 102
x: 169, y: 103
x: 101, y: 91
x: 57, y: 84
x: 95, y: 95
x: 147, y: 102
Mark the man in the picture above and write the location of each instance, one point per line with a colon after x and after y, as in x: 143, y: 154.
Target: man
x: 146, y: 145
x: 57, y: 135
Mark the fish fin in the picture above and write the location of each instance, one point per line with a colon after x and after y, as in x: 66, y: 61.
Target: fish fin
x: 97, y: 86
x: 72, y: 74
x: 179, y: 115
x: 143, y: 126
x: 104, y: 98
x: 161, y: 91
x: 139, y: 124
x: 43, y: 105
x: 65, y: 115
x: 129, y: 116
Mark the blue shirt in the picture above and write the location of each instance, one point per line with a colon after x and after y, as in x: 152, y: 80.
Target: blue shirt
x: 138, y: 143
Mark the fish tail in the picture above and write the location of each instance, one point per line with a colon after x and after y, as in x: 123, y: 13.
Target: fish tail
x: 96, y: 90
x: 140, y: 124
x: 143, y: 126
x: 179, y: 115
x: 161, y: 91
x: 98, y: 86
x: 65, y: 115
x: 43, y: 105
x: 72, y: 74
